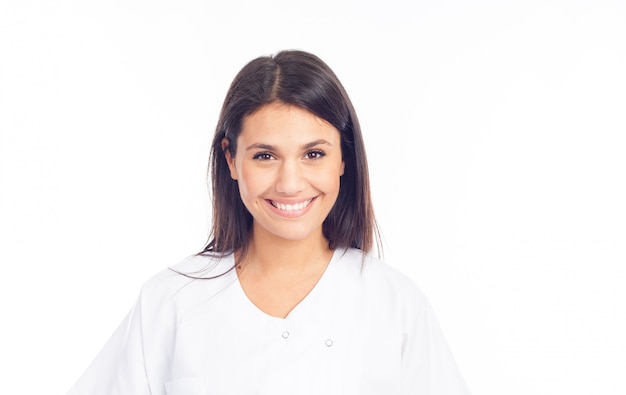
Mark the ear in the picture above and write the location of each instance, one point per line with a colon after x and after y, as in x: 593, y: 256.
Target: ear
x: 343, y: 168
x: 230, y: 160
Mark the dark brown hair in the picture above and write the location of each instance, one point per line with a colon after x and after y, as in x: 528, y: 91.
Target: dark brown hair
x: 300, y: 79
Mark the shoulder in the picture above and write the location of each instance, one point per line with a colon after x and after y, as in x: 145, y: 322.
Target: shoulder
x: 379, y: 277
x: 197, y: 275
x: 383, y: 291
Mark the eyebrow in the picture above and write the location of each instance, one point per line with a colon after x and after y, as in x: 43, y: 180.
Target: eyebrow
x: 269, y: 147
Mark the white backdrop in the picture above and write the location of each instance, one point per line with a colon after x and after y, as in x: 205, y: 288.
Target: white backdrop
x: 496, y: 139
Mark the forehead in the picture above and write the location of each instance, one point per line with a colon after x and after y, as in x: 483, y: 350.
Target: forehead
x: 283, y: 122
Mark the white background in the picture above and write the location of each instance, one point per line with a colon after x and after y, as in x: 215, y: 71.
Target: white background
x: 496, y: 140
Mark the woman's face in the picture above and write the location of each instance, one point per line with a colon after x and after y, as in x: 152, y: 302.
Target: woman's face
x: 288, y: 166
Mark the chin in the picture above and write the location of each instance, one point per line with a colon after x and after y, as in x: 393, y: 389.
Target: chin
x: 295, y: 233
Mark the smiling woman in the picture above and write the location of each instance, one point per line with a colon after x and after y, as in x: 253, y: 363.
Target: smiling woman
x: 286, y: 297
x: 288, y: 173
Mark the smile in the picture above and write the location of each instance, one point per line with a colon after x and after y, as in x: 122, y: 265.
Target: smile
x: 291, y: 207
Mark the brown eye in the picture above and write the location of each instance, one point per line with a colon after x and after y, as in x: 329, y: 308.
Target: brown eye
x: 317, y: 154
x: 262, y: 156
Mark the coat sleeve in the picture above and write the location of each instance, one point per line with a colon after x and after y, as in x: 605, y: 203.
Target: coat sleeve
x: 428, y: 365
x: 134, y: 360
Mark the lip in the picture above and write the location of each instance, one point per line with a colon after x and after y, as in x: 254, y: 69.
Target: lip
x: 293, y: 209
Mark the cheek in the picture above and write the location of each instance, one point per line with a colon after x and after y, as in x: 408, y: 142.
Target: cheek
x: 328, y: 181
x: 251, y: 183
x: 336, y: 184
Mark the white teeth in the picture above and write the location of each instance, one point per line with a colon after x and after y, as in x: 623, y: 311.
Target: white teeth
x: 291, y: 207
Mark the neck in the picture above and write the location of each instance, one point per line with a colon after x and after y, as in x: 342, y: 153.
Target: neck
x: 271, y: 254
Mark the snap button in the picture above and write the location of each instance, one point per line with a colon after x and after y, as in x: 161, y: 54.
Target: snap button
x: 285, y: 334
x: 329, y: 342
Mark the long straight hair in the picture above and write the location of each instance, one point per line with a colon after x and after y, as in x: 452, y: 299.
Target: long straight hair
x: 300, y: 79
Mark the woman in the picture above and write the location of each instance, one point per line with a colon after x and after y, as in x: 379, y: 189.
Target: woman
x: 285, y: 298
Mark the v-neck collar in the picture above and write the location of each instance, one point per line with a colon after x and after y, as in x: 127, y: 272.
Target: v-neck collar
x: 295, y: 311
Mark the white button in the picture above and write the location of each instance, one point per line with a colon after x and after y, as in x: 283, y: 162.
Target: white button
x: 285, y: 334
x: 329, y: 342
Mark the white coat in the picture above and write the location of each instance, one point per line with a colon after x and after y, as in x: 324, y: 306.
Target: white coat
x: 364, y: 329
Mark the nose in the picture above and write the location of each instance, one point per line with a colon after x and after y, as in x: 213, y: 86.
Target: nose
x: 290, y: 179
